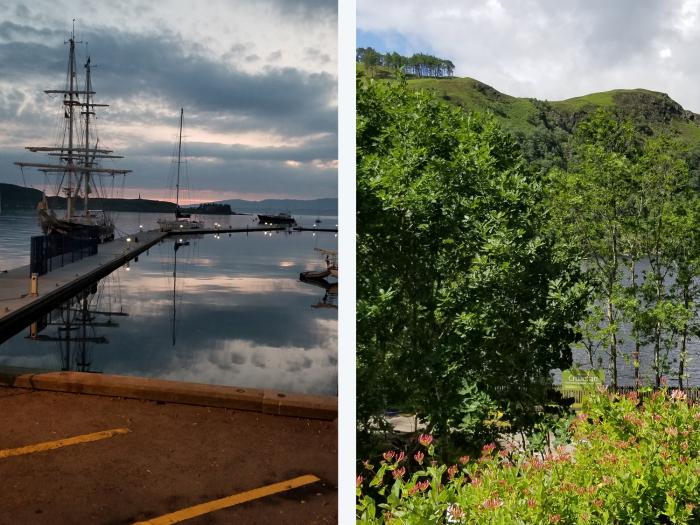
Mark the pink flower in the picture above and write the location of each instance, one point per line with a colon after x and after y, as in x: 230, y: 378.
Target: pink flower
x: 419, y: 456
x: 399, y: 472
x: 487, y: 449
x: 425, y: 439
x: 672, y: 431
x: 389, y: 455
x: 464, y: 460
x: 359, y: 480
x: 452, y: 471
x: 423, y: 485
x: 492, y: 503
x: 555, y: 519
x: 531, y: 503
x: 400, y: 457
x: 678, y: 395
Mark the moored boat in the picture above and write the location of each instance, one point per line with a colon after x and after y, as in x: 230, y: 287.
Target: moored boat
x: 182, y: 220
x: 279, y: 218
x: 77, y: 164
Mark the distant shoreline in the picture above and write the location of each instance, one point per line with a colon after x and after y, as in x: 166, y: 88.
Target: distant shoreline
x: 14, y: 197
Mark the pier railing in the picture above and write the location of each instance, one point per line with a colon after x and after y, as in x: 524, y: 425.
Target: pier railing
x: 50, y: 252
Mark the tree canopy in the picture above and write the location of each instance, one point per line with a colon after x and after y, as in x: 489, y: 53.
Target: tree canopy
x: 457, y: 284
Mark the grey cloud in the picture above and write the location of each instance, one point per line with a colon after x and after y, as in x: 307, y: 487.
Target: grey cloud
x: 274, y: 56
x: 252, y: 58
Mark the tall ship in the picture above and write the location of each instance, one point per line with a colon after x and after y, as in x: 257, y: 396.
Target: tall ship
x: 75, y: 161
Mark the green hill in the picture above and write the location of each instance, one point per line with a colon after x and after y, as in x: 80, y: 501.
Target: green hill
x: 543, y: 128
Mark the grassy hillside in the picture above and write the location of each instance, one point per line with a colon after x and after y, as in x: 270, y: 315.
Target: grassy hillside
x: 543, y: 128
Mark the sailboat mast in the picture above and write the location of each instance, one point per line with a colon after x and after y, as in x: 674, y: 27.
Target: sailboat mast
x: 177, y: 184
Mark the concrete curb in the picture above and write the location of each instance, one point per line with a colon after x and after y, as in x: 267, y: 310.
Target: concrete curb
x: 253, y: 399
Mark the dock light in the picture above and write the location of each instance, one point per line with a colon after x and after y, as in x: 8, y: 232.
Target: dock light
x: 314, y: 234
x: 141, y: 226
x: 180, y: 240
x: 128, y: 239
x: 181, y: 226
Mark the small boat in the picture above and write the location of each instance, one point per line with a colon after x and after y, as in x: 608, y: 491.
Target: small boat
x: 279, y: 218
x: 182, y: 220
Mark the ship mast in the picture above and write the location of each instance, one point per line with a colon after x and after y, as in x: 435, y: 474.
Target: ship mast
x: 74, y: 160
x: 87, y: 113
x: 71, y: 100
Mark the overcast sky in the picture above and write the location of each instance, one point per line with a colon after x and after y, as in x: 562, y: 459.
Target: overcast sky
x: 257, y: 80
x: 549, y: 49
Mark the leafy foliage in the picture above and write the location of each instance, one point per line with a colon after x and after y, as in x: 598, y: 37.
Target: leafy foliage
x: 456, y: 280
x: 631, y: 462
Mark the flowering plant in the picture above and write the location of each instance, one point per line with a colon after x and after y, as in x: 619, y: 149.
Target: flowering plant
x: 633, y: 460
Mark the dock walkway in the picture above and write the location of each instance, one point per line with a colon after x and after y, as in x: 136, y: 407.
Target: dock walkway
x: 18, y: 307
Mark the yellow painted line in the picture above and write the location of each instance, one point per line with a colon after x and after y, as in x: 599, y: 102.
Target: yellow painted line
x: 230, y: 501
x: 50, y: 445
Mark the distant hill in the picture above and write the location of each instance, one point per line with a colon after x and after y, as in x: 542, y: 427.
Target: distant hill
x: 325, y: 206
x: 544, y: 127
x: 13, y: 197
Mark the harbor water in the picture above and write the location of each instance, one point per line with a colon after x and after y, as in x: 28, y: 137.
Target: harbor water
x: 226, y: 309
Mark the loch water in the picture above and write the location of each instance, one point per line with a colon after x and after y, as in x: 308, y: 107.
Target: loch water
x: 226, y: 309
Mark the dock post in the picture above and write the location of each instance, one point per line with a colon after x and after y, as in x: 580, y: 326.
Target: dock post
x: 35, y: 285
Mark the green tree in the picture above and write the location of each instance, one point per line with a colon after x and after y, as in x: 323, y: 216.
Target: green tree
x: 457, y: 285
x: 593, y: 204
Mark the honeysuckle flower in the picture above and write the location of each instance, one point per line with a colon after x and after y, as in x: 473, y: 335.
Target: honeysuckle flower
x: 492, y: 503
x: 678, y: 395
x: 389, y: 455
x: 400, y: 457
x: 425, y: 439
x: 368, y: 465
x: 398, y: 473
x: 452, y: 471
x: 454, y: 513
x: 423, y: 485
x: 464, y: 460
x: 555, y: 518
x: 487, y: 449
x: 419, y: 456
x: 531, y: 503
x: 359, y: 480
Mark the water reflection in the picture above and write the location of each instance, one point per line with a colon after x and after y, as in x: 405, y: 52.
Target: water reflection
x: 77, y: 326
x: 222, y: 311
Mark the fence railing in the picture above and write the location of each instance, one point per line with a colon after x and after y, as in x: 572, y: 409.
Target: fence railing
x: 692, y: 393
x: 49, y: 252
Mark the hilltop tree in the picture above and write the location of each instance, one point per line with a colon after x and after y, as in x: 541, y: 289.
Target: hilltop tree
x: 458, y: 288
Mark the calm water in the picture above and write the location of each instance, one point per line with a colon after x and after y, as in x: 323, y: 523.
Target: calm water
x: 228, y: 310
x: 626, y: 348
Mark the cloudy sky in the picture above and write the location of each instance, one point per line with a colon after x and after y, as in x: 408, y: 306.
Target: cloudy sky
x: 549, y: 49
x: 257, y: 80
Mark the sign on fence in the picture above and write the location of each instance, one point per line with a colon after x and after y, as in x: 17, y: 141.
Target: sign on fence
x: 581, y: 379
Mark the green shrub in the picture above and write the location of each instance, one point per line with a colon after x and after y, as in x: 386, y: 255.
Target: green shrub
x: 631, y: 462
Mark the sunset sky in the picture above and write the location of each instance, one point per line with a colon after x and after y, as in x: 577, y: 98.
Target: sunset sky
x: 257, y: 80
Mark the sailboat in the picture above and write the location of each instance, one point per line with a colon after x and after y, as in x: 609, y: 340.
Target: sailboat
x: 182, y: 220
x: 77, y: 161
